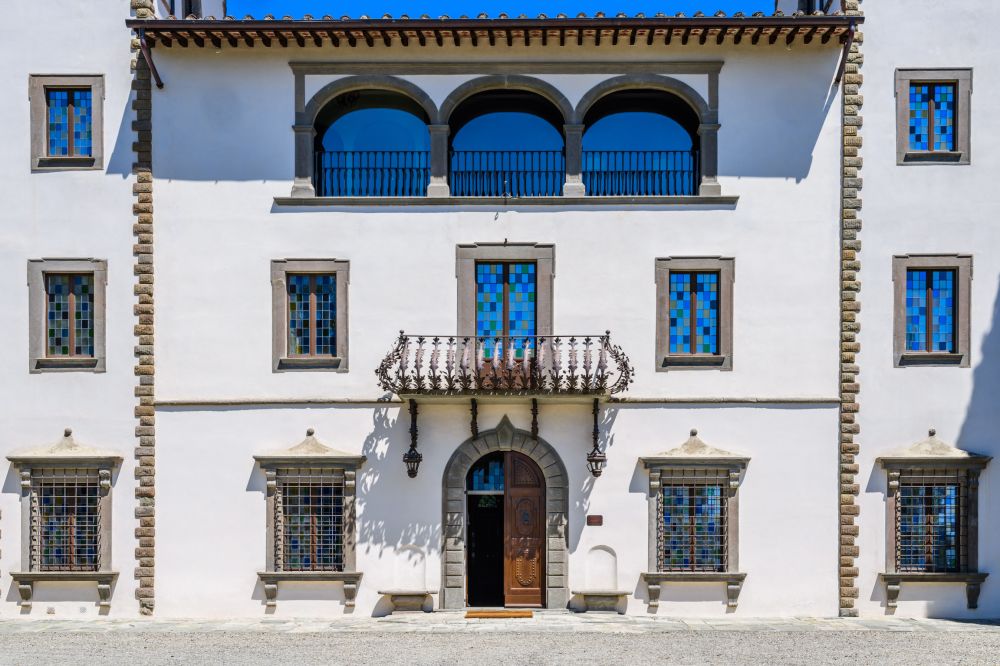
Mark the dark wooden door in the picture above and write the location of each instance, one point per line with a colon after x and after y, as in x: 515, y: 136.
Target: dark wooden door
x: 524, y: 532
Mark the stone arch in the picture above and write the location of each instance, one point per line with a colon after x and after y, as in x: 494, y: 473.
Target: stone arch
x: 367, y: 82
x: 505, y: 437
x: 645, y: 82
x: 505, y: 82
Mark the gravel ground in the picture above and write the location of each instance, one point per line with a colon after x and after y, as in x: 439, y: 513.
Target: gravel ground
x: 506, y: 647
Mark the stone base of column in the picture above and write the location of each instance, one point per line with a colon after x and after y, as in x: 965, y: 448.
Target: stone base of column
x: 438, y: 190
x: 303, y: 188
x: 710, y: 188
x: 574, y: 190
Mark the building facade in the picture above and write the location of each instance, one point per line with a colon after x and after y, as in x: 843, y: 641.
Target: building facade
x: 369, y: 315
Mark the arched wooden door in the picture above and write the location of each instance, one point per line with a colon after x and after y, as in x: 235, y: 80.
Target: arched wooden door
x: 524, y: 532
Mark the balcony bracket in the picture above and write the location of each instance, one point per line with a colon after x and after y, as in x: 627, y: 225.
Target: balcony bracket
x: 534, y: 419
x: 474, y: 407
x: 147, y: 55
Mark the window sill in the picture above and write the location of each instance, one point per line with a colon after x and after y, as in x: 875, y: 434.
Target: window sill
x: 932, y: 359
x: 270, y: 579
x: 514, y: 202
x: 696, y: 362
x: 335, y: 363
x: 973, y: 581
x: 26, y: 580
x: 68, y: 364
x: 935, y: 157
x: 66, y: 164
x: 732, y: 579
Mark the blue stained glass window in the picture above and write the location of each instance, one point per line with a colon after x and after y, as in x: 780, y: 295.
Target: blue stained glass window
x: 69, y: 523
x: 694, y: 528
x: 58, y: 122
x: 487, y: 474
x: 930, y: 310
x: 313, y: 523
x: 694, y: 312
x: 69, y: 317
x: 312, y: 315
x: 929, y: 526
x: 506, y: 296
x: 932, y: 116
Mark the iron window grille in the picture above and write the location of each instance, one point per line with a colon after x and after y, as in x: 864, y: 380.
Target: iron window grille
x: 66, y: 529
x: 692, y: 521
x: 309, y: 515
x: 69, y: 316
x: 931, y: 524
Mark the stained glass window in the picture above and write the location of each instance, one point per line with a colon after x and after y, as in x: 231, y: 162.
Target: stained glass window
x: 70, y: 315
x: 70, y: 122
x: 487, y: 474
x: 312, y: 534
x: 929, y: 508
x: 68, y: 521
x: 930, y: 310
x: 312, y: 315
x: 694, y: 312
x: 693, y: 527
x: 506, y: 294
x: 932, y: 116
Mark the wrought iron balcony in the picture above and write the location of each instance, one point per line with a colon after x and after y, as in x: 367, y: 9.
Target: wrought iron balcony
x: 581, y: 365
x: 507, y: 173
x: 641, y: 172
x: 372, y: 173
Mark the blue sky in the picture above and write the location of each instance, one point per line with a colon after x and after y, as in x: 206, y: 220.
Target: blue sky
x: 454, y: 8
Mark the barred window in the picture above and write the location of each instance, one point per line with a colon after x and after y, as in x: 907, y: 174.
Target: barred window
x: 692, y: 522
x: 68, y: 520
x: 312, y: 515
x: 930, y: 521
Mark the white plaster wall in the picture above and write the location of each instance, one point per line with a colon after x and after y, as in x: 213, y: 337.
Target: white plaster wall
x: 68, y: 214
x: 928, y: 209
x: 211, y: 505
x: 223, y: 150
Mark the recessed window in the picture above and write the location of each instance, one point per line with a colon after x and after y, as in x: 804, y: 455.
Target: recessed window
x: 66, y: 122
x: 69, y: 519
x: 66, y: 328
x: 309, y: 310
x: 70, y: 316
x: 929, y: 509
x: 70, y: 122
x: 933, y: 116
x: 930, y: 310
x: 693, y: 518
x: 312, y: 508
x: 932, y: 301
x: 694, y: 313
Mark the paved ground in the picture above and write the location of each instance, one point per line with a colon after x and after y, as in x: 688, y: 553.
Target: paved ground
x: 549, y: 638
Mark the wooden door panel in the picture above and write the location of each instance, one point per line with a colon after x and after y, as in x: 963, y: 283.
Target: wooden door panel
x: 524, y: 532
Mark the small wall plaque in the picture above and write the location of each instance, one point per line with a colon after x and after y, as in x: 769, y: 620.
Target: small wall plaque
x: 595, y: 521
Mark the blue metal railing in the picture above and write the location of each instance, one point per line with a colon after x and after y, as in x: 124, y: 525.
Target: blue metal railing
x: 372, y: 173
x: 507, y: 173
x: 641, y: 172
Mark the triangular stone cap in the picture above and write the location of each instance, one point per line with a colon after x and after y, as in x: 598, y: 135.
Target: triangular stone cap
x: 309, y: 450
x: 930, y: 449
x: 65, y: 450
x: 695, y: 451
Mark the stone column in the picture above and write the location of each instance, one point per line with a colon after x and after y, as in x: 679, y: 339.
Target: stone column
x: 438, y: 187
x: 709, y: 133
x: 305, y: 136
x: 574, y: 161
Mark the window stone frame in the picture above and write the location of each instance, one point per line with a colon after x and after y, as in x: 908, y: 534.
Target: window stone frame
x: 67, y: 456
x: 38, y: 107
x: 962, y: 265
x: 932, y: 454
x: 466, y: 256
x: 310, y: 455
x: 280, y: 268
x: 962, y: 78
x: 38, y: 359
x: 726, y: 268
x: 694, y: 456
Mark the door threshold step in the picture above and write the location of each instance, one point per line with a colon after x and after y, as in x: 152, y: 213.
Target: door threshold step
x: 498, y: 614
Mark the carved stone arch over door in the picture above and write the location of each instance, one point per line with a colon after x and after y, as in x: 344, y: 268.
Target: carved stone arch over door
x: 505, y: 437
